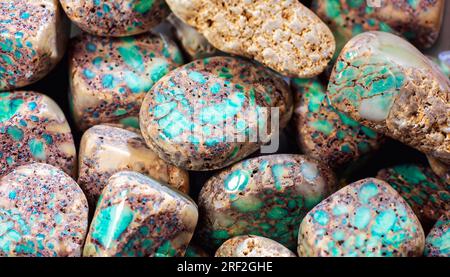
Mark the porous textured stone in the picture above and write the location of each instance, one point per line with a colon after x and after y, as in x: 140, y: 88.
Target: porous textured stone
x: 385, y: 83
x: 109, y: 77
x: 283, y: 35
x: 34, y: 128
x: 425, y: 192
x: 137, y: 216
x: 437, y: 243
x: 105, y: 150
x: 33, y: 40
x: 266, y: 196
x: 367, y: 218
x: 418, y: 21
x: 205, y: 115
x: 252, y: 246
x: 116, y: 18
x: 324, y: 133
x: 43, y: 213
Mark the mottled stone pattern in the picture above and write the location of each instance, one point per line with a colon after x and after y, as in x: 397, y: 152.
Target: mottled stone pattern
x: 266, y: 196
x: 109, y: 77
x: 43, y: 213
x: 32, y: 41
x: 386, y: 84
x: 195, y: 251
x: 437, y: 243
x: 418, y: 21
x: 190, y: 114
x: 105, y: 150
x: 137, y: 216
x: 193, y: 42
x: 367, y: 218
x: 116, y: 18
x: 33, y: 128
x: 426, y: 193
x: 284, y: 35
x: 325, y: 133
x: 252, y: 246
x: 440, y: 168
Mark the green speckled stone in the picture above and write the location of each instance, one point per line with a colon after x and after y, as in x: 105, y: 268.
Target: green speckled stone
x: 252, y: 246
x: 33, y: 38
x: 425, y: 192
x: 367, y: 218
x: 417, y: 20
x: 109, y: 77
x: 43, y: 213
x: 137, y: 216
x: 116, y: 18
x: 386, y: 84
x: 34, y: 128
x: 192, y: 114
x: 265, y: 196
x: 325, y: 133
x: 437, y: 243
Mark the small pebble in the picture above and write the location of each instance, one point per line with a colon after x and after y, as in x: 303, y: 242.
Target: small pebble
x: 426, y: 193
x: 109, y: 77
x: 367, y: 218
x: 116, y: 18
x: 385, y: 83
x: 437, y: 243
x: 266, y: 196
x: 33, y: 40
x: 43, y: 213
x: 283, y: 35
x: 252, y: 246
x: 136, y: 216
x: 34, y: 128
x: 189, y: 116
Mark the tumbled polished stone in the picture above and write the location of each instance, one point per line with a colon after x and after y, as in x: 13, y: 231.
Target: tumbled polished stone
x: 105, y: 150
x: 109, y: 77
x: 137, y: 216
x: 437, y: 243
x: 33, y: 128
x: 252, y: 246
x: 324, y: 133
x: 418, y: 21
x: 365, y: 219
x: 33, y: 40
x: 426, y: 193
x: 209, y: 113
x: 383, y: 82
x: 43, y: 213
x: 116, y: 18
x: 266, y: 196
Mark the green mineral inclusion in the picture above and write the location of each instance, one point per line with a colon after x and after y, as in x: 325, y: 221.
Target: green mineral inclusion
x: 110, y: 223
x: 8, y: 107
x: 37, y: 149
x: 143, y: 6
x: 411, y: 173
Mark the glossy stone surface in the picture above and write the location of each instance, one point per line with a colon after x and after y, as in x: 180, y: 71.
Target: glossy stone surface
x: 252, y: 246
x: 383, y: 82
x: 426, y: 193
x: 265, y: 196
x: 33, y: 128
x: 367, y: 218
x: 283, y: 35
x: 137, y: 216
x: 191, y: 116
x: 32, y: 41
x: 193, y: 42
x: 43, y: 213
x: 324, y: 133
x: 437, y: 243
x: 440, y: 168
x: 116, y: 18
x: 109, y: 77
x: 105, y: 150
x: 418, y: 21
